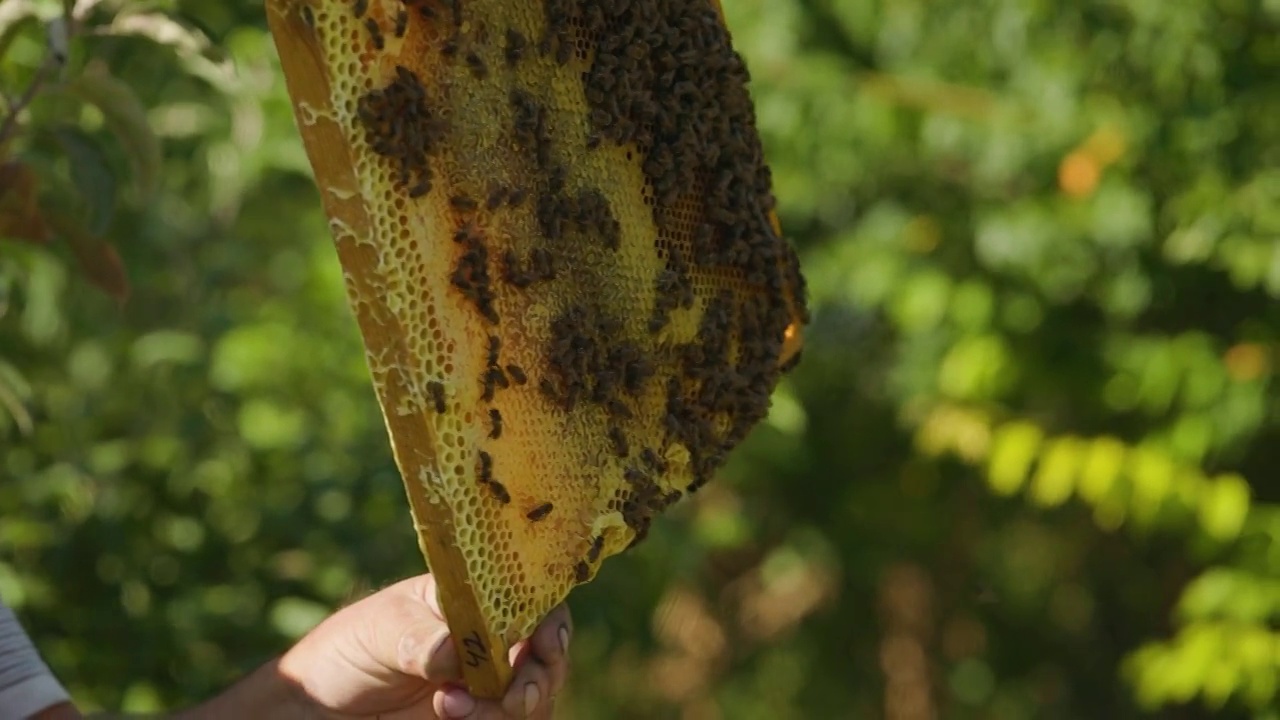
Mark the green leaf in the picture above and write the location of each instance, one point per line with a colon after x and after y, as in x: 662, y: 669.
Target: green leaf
x: 1013, y: 452
x: 1055, y: 478
x: 15, y: 17
x: 1103, y: 464
x: 92, y: 175
x: 127, y: 119
x: 1224, y: 507
x: 15, y: 391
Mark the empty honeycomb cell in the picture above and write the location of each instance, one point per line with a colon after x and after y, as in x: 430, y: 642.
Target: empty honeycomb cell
x: 584, y: 180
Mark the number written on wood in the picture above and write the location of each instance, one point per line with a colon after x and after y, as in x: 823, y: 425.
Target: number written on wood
x: 474, y: 648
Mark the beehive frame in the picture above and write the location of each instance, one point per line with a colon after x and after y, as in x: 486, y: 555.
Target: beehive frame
x: 569, y: 320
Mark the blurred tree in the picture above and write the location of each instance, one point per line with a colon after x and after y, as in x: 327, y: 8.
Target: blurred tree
x: 1027, y: 468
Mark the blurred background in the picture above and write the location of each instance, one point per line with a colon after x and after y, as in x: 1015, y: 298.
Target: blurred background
x: 1027, y: 469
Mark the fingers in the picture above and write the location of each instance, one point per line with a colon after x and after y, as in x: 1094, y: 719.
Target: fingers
x: 452, y: 703
x: 530, y: 690
x: 550, y: 645
x: 528, y: 698
x: 426, y: 651
x: 531, y: 696
x: 541, y: 666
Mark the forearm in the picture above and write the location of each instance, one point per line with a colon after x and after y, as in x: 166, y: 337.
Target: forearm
x: 265, y: 693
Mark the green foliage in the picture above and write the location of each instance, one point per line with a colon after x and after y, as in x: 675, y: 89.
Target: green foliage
x: 1026, y: 469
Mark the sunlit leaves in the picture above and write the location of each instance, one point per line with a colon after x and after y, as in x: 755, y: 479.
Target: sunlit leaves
x: 1014, y: 450
x: 1213, y: 659
x: 1141, y: 484
x: 1226, y: 593
x: 1224, y: 505
x: 979, y: 367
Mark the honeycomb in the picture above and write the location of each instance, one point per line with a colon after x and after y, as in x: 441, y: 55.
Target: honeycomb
x: 556, y: 228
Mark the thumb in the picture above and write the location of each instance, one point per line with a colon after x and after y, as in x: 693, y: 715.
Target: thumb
x: 427, y: 651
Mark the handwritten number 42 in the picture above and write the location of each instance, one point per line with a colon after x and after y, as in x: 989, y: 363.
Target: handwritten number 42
x: 475, y: 649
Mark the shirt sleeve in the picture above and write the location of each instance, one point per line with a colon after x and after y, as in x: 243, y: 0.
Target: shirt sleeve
x: 27, y: 686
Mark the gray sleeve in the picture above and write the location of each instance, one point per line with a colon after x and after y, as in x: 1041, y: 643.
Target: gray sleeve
x: 26, y: 684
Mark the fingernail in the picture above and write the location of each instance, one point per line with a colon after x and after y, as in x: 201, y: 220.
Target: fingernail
x: 437, y: 664
x: 564, y: 639
x: 531, y: 697
x: 458, y: 703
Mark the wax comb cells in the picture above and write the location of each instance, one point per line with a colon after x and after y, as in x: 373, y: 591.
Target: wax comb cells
x: 558, y: 235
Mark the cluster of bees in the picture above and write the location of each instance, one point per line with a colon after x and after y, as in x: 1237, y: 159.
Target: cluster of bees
x: 400, y: 126
x: 471, y: 274
x: 588, y: 358
x: 586, y: 212
x: 643, y: 500
x: 664, y: 76
x: 673, y: 289
x: 541, y: 266
x: 529, y: 126
x: 484, y: 475
x: 558, y: 36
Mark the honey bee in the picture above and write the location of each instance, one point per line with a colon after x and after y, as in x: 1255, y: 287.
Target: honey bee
x: 499, y: 491
x: 540, y: 512
x: 596, y: 546
x: 617, y: 408
x: 581, y: 572
x: 498, y: 377
x: 477, y: 65
x: 517, y: 374
x: 495, y: 418
x: 402, y: 22
x: 515, y: 47
x: 436, y: 389
x: 421, y: 188
x: 651, y: 458
x: 619, y: 441
x: 375, y: 32
x: 360, y: 7
x: 496, y: 198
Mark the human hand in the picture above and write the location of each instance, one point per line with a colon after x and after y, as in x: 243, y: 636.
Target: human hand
x: 390, y: 656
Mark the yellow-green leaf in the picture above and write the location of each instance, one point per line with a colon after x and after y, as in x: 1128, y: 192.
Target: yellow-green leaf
x: 1104, y: 459
x: 1013, y: 451
x: 1056, y: 476
x: 1224, y: 507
